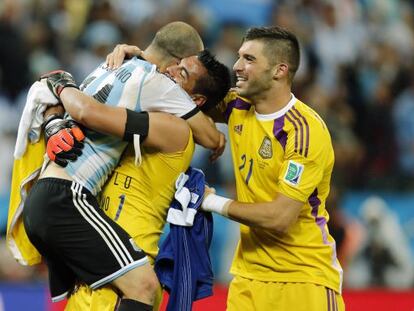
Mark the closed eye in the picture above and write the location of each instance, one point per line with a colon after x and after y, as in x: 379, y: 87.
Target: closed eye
x: 184, y: 73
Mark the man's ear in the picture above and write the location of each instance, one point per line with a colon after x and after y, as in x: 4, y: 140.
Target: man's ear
x: 199, y: 99
x: 281, y: 70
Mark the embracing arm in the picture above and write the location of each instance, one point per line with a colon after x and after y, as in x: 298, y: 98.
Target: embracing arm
x: 113, y: 121
x: 204, y: 131
x: 206, y: 134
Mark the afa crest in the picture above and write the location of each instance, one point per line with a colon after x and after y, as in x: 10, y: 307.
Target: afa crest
x: 265, y: 150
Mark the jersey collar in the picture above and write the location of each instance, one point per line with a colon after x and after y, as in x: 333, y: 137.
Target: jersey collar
x: 277, y: 114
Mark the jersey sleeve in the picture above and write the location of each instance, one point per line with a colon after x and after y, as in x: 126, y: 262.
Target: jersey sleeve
x: 301, y: 173
x: 164, y: 95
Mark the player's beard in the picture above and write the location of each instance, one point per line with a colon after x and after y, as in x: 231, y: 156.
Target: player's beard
x: 256, y: 88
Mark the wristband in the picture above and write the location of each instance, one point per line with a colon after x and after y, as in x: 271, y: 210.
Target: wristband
x: 51, y: 118
x: 217, y: 204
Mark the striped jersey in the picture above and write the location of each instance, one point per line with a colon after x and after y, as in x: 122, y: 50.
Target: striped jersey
x: 288, y: 152
x: 136, y: 85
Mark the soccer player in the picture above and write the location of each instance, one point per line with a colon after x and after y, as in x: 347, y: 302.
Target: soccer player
x: 61, y: 215
x: 283, y: 160
x: 137, y: 198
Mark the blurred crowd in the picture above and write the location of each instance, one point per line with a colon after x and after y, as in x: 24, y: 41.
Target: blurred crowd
x: 357, y: 70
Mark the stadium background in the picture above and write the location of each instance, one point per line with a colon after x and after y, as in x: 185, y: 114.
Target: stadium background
x: 357, y: 71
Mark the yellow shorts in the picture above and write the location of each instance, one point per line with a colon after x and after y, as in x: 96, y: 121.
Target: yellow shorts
x: 102, y: 299
x: 246, y: 294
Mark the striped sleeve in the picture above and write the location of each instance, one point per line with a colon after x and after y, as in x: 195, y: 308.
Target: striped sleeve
x: 301, y: 131
x: 306, y: 150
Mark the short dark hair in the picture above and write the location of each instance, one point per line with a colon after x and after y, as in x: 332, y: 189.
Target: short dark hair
x: 215, y: 84
x: 280, y: 46
x: 177, y: 39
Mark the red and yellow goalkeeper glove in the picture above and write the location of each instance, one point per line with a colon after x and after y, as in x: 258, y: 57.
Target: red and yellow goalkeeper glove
x: 64, y: 140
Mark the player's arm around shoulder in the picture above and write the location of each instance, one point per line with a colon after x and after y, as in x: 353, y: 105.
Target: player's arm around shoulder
x: 89, y: 112
x: 164, y: 132
x: 204, y: 131
x: 167, y: 133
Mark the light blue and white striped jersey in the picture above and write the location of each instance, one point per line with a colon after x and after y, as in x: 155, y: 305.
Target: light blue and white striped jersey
x: 136, y: 85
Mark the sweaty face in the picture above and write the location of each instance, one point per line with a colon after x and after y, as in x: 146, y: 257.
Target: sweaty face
x: 187, y: 72
x: 253, y: 72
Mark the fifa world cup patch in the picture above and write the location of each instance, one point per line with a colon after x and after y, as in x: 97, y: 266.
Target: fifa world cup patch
x: 293, y: 173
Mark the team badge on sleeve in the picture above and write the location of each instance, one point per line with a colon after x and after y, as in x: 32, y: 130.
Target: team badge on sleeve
x: 293, y: 173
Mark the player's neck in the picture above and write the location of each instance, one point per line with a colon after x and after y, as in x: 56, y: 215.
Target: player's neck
x: 150, y: 57
x: 274, y: 100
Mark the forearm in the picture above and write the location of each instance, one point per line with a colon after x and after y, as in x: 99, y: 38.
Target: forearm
x: 92, y: 114
x: 204, y: 131
x: 277, y: 215
x: 54, y: 110
x: 154, y: 128
x: 259, y: 215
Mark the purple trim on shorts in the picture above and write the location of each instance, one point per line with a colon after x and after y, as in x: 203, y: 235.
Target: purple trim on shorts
x: 296, y: 131
x: 307, y: 130
x: 301, y: 130
x: 238, y: 103
x: 278, y: 131
x: 328, y: 295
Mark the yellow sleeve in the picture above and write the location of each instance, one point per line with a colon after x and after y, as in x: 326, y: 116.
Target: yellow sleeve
x: 25, y: 172
x: 300, y: 174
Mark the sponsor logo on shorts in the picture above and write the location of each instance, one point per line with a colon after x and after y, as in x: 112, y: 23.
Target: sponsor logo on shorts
x: 293, y: 173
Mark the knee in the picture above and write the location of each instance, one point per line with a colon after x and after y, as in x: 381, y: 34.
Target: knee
x: 149, y: 283
x: 146, y: 286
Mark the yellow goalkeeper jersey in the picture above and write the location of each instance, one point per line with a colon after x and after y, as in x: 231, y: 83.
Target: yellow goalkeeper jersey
x: 288, y: 152
x: 138, y: 198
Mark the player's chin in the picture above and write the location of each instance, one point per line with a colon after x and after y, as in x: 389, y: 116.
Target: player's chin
x: 239, y: 90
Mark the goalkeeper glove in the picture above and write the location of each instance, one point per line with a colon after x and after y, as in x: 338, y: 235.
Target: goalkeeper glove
x: 63, y: 140
x: 57, y: 80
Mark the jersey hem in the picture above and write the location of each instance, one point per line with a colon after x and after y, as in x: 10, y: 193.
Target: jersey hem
x: 336, y: 288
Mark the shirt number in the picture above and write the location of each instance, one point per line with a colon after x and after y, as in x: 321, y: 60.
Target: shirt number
x: 241, y: 167
x: 120, y: 206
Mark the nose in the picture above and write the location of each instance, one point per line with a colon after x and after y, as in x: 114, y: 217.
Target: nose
x: 237, y: 65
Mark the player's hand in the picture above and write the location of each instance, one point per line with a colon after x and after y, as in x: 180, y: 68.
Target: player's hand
x: 121, y: 52
x: 64, y: 141
x: 219, y: 150
x: 208, y: 190
x: 57, y: 80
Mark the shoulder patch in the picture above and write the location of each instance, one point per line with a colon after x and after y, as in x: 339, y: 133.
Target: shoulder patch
x: 293, y: 173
